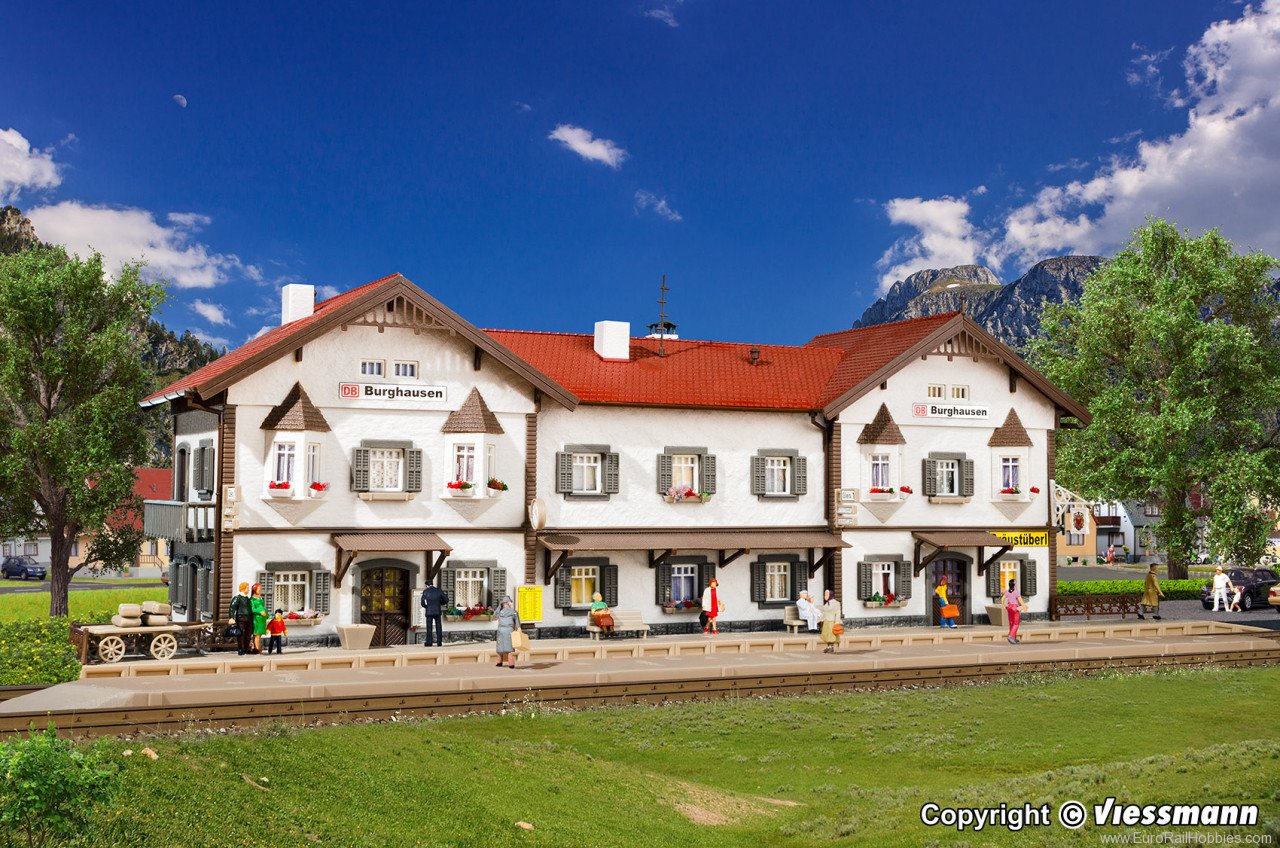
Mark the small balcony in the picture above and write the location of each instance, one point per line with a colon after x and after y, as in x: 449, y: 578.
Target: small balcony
x: 178, y: 521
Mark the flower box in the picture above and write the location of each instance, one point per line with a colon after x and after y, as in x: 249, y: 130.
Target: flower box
x: 675, y: 610
x: 462, y: 493
x: 495, y: 487
x: 280, y: 493
x: 877, y: 604
x: 1011, y: 496
x: 453, y: 618
x: 317, y: 490
x: 303, y: 622
x: 882, y: 496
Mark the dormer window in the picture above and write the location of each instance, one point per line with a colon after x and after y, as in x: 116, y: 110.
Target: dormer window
x: 473, y: 470
x: 292, y: 456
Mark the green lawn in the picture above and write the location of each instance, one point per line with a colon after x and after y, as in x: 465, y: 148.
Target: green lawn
x: 847, y: 769
x: 83, y: 602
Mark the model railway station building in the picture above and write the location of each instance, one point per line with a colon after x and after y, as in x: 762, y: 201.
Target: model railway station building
x: 343, y: 460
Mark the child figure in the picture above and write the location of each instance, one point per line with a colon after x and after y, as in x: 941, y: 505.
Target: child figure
x: 276, y: 628
x: 1235, y: 599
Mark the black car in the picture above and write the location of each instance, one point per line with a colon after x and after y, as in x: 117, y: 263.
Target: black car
x: 24, y: 567
x: 1257, y: 583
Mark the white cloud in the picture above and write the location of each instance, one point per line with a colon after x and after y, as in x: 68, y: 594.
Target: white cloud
x: 211, y: 312
x: 521, y: 106
x: 1124, y: 138
x: 666, y: 13
x: 24, y: 168
x: 586, y: 145
x: 180, y: 100
x: 1072, y: 164
x: 326, y: 292
x: 207, y: 338
x: 1144, y: 69
x: 126, y: 235
x: 658, y: 205
x: 944, y: 237
x: 1222, y: 171
x: 262, y: 331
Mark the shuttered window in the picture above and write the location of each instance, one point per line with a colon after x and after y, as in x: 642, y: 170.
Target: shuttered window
x: 779, y: 473
x: 778, y: 579
x: 586, y: 474
x: 947, y: 475
x: 386, y: 470
x: 583, y: 582
x: 577, y: 580
x: 587, y: 471
x: 386, y: 466
x: 681, y: 469
x: 266, y: 581
x: 684, y: 583
x: 321, y: 589
x: 882, y: 575
x: 291, y: 590
x: 684, y: 471
x: 469, y: 586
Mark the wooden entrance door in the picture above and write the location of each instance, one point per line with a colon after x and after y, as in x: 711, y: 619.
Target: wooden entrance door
x: 957, y: 572
x: 384, y: 603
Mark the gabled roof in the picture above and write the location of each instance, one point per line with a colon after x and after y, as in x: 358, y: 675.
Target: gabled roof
x: 692, y: 373
x: 473, y: 416
x: 1010, y: 434
x: 213, y: 378
x: 296, y: 412
x: 882, y: 430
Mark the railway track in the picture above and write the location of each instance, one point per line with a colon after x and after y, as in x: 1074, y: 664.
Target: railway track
x: 168, y: 720
x: 9, y: 692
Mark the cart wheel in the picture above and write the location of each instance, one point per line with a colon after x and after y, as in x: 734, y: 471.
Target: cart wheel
x: 111, y: 649
x: 163, y: 646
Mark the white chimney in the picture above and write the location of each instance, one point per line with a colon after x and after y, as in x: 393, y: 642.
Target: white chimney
x: 613, y: 340
x: 296, y: 301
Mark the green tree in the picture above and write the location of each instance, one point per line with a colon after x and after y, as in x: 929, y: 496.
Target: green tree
x: 71, y: 431
x: 1174, y: 349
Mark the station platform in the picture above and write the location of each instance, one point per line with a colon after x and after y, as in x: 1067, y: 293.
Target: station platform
x: 388, y: 683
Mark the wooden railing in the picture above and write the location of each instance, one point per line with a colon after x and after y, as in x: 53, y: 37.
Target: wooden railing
x: 1091, y: 605
x: 178, y: 521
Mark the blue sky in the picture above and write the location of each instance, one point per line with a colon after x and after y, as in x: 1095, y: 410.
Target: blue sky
x: 541, y: 166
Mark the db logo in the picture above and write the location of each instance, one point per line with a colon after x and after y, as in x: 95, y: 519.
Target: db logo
x: 920, y: 410
x: 349, y: 390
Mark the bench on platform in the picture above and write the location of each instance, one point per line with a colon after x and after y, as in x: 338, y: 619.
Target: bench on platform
x: 791, y: 619
x: 623, y: 620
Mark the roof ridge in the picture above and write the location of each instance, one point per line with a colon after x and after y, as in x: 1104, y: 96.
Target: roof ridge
x: 953, y: 313
x: 762, y: 345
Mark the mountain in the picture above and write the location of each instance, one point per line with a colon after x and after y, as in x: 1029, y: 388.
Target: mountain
x: 169, y: 355
x: 1011, y: 312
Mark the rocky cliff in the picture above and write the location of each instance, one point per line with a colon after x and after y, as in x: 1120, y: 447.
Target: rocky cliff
x: 1011, y: 312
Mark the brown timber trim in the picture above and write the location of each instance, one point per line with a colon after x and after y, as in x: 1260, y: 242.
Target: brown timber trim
x: 530, y: 492
x: 519, y: 528
x: 832, y: 443
x: 1051, y: 443
x: 224, y: 540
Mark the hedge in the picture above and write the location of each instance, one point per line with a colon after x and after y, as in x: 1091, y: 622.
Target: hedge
x: 1174, y: 590
x: 36, y: 651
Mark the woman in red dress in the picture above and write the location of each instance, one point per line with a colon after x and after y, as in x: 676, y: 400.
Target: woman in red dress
x: 712, y: 606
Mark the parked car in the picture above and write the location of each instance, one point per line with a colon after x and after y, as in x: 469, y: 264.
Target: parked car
x: 24, y: 567
x: 1257, y: 583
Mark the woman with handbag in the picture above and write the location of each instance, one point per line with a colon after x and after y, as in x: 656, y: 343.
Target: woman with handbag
x: 508, y: 624
x: 832, y: 626
x: 947, y: 611
x: 600, y: 615
x: 259, y: 609
x: 1014, y: 607
x: 712, y: 606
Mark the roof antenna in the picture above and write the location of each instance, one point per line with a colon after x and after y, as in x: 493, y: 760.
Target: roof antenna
x: 663, y: 327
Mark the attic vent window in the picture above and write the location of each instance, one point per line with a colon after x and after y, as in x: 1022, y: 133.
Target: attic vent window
x: 755, y: 356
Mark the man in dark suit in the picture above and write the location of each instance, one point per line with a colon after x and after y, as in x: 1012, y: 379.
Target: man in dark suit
x: 433, y: 604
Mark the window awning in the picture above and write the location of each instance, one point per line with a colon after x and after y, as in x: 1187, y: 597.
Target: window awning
x: 943, y: 540
x: 350, y: 545
x: 663, y: 544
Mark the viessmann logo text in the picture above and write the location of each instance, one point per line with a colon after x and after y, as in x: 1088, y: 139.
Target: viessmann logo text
x: 378, y: 391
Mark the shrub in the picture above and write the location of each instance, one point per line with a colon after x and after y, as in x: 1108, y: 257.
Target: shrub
x: 36, y: 651
x: 1174, y: 590
x: 50, y: 789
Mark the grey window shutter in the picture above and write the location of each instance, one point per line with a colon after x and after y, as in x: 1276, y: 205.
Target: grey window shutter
x: 448, y: 584
x: 799, y: 578
x: 609, y: 582
x: 321, y: 590
x: 206, y: 610
x: 865, y: 589
x: 360, y: 469
x: 564, y: 472
x: 1028, y: 587
x: 413, y: 470
x: 564, y: 596
x: 759, y: 591
x: 175, y: 567
x: 664, y: 473
x: 184, y: 572
x: 903, y: 583
x: 202, y: 588
x: 967, y: 481
x: 610, y: 461
x: 799, y: 476
x: 757, y: 475
x: 706, y: 570
x: 994, y: 589
x: 208, y: 474
x: 662, y: 584
x: 930, y: 477
x: 265, y: 580
x: 708, y: 474
x: 197, y: 470
x: 497, y: 585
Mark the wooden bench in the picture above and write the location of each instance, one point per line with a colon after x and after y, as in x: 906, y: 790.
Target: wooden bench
x: 1091, y: 605
x: 623, y: 620
x: 792, y: 621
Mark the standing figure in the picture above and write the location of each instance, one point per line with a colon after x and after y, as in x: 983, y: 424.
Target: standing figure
x: 831, y: 618
x: 1235, y: 598
x: 1015, y: 606
x: 940, y: 594
x: 433, y: 602
x: 508, y: 623
x: 242, y: 617
x: 1221, y: 582
x: 276, y: 627
x: 1151, y: 594
x: 712, y: 606
x: 808, y: 611
x: 259, y: 610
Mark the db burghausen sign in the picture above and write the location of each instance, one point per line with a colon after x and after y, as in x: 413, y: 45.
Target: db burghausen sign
x: 385, y: 393
x: 947, y: 410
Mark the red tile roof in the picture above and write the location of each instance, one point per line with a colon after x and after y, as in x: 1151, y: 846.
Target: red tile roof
x: 154, y: 484
x: 692, y: 373
x: 868, y: 349
x: 247, y: 351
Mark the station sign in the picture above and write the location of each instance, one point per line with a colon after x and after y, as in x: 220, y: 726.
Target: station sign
x: 390, y: 393
x: 1024, y: 538
x: 948, y: 410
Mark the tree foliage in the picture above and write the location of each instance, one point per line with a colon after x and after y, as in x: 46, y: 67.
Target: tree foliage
x: 50, y: 789
x: 1174, y: 348
x: 71, y: 431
